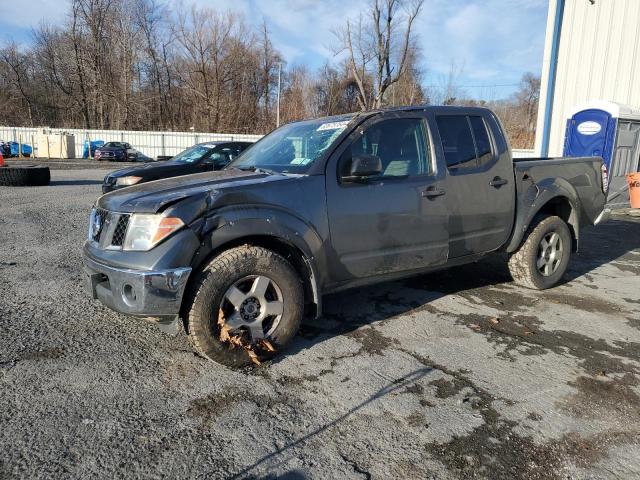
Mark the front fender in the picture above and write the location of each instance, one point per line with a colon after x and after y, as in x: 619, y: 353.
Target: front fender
x: 231, y: 225
x: 532, y: 198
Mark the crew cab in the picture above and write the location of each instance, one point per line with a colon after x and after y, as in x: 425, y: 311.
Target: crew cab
x: 240, y: 256
x: 202, y: 157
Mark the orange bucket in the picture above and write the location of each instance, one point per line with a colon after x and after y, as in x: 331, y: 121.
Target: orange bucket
x: 633, y: 179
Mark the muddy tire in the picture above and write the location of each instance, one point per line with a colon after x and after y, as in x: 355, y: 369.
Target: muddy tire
x: 257, y: 293
x: 544, y: 254
x: 24, y: 176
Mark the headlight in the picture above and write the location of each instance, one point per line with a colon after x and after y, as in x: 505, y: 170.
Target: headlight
x: 145, y: 231
x: 124, y: 181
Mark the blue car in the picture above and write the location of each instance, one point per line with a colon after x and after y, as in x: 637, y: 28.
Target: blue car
x: 116, y: 152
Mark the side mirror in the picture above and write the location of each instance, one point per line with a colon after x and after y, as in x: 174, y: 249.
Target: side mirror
x: 363, y: 167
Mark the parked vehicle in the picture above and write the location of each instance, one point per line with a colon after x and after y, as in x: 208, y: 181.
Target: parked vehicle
x: 241, y: 255
x: 5, y: 149
x: 203, y: 157
x: 116, y: 152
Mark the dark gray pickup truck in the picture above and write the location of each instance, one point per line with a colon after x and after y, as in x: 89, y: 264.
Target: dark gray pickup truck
x: 240, y: 256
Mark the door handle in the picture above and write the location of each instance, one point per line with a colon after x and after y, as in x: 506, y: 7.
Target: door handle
x: 432, y: 192
x: 497, y: 182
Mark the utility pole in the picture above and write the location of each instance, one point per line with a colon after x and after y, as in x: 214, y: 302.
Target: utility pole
x: 278, y: 105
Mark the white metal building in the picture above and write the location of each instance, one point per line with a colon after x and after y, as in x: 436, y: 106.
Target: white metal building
x: 592, y: 52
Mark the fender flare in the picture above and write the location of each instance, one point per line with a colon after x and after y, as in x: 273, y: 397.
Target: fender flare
x: 535, y: 198
x: 230, y: 226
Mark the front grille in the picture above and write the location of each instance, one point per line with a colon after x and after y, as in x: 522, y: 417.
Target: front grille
x: 100, y: 217
x: 120, y: 231
x: 109, y: 229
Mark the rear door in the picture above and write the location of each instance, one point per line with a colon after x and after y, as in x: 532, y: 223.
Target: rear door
x: 395, y: 222
x: 480, y: 187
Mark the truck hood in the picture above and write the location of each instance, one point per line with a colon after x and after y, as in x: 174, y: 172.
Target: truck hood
x: 152, y: 197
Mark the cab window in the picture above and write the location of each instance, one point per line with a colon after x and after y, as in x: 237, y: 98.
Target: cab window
x: 457, y: 142
x: 399, y: 143
x: 465, y: 141
x: 481, y: 136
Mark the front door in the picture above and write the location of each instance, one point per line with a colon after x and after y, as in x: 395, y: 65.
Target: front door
x: 396, y: 221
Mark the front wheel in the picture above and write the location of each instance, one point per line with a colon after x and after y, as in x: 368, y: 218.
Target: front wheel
x: 247, y: 306
x: 543, y: 257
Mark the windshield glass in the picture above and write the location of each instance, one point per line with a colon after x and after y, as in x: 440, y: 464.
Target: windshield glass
x: 293, y: 148
x: 113, y: 145
x: 192, y: 154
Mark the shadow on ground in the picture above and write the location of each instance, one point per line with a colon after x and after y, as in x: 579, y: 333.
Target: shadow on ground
x: 56, y: 183
x: 345, y: 312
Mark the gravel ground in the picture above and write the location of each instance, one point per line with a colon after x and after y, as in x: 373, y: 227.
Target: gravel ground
x: 450, y: 375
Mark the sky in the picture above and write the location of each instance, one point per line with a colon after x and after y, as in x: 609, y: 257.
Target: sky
x: 489, y: 44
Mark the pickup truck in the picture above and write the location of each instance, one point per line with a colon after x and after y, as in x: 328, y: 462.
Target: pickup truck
x: 240, y: 256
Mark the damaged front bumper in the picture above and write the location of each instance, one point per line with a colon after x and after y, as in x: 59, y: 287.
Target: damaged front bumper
x: 144, y: 293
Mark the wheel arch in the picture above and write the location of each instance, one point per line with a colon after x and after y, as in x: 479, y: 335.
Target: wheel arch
x: 555, y: 197
x: 293, y: 240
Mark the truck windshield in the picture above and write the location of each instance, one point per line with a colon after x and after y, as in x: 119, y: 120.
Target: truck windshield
x: 293, y: 148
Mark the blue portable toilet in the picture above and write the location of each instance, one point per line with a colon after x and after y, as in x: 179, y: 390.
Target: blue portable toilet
x: 609, y: 130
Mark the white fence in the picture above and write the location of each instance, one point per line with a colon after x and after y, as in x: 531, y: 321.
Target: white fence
x: 150, y: 144
x: 523, y: 153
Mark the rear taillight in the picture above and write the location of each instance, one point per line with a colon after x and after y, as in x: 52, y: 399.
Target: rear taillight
x: 605, y: 178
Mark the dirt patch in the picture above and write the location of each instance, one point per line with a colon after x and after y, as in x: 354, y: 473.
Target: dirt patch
x: 510, y: 332
x: 584, y: 303
x: 446, y: 388
x: 416, y: 419
x: 526, y: 335
x: 627, y: 267
x: 47, y: 354
x: 415, y: 389
x: 372, y: 341
x: 494, y: 450
x: 604, y: 397
x: 471, y: 282
x: 215, y: 405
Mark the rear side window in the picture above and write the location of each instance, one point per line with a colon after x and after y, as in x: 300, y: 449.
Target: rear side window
x: 483, y: 145
x: 457, y: 142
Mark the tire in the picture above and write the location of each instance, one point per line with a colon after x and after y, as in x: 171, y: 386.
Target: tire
x: 24, y: 176
x: 210, y: 296
x: 539, y: 263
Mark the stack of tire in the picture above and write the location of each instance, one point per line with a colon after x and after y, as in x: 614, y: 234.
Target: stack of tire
x: 24, y: 175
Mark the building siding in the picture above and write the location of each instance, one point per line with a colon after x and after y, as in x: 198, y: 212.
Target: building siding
x: 598, y: 59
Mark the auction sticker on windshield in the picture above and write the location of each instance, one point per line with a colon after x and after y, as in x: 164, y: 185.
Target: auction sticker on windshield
x: 333, y: 125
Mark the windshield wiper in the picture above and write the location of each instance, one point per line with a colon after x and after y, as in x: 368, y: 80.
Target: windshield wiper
x: 253, y: 168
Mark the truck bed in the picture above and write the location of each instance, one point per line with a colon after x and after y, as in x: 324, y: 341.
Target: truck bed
x: 579, y: 177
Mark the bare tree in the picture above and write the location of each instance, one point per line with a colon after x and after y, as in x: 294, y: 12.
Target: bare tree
x: 379, y: 49
x: 18, y: 64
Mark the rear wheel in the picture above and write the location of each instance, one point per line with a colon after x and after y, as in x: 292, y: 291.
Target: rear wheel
x: 543, y: 257
x: 247, y: 306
